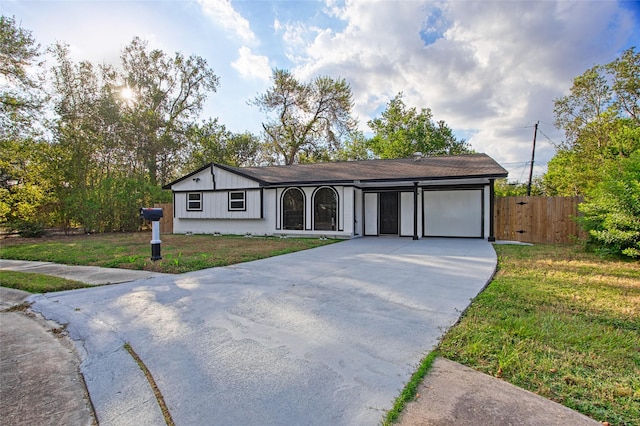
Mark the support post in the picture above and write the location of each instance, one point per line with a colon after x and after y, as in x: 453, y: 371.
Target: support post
x: 415, y: 210
x: 492, y: 219
x: 533, y: 156
x: 155, y: 240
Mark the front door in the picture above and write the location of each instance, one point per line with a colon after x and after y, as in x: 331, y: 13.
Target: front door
x: 389, y: 213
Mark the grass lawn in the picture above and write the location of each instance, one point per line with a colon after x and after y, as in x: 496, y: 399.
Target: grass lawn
x: 180, y: 253
x: 562, y: 323
x: 37, y: 283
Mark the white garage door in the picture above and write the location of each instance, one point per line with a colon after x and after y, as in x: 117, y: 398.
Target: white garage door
x: 453, y: 213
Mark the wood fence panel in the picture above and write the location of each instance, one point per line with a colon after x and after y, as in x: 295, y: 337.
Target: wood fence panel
x: 166, y: 223
x: 537, y: 219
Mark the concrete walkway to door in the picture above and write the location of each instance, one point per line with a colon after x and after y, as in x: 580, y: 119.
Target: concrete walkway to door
x: 323, y: 336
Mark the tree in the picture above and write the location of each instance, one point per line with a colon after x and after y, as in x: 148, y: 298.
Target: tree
x: 167, y: 95
x: 306, y: 120
x: 400, y: 132
x: 600, y: 157
x: 212, y: 142
x: 23, y: 195
x: 600, y: 119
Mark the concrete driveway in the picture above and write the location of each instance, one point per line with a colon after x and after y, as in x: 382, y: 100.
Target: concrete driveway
x: 323, y: 336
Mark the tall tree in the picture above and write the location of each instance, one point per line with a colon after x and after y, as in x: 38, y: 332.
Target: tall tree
x: 167, y: 94
x: 600, y: 120
x: 306, y: 120
x: 22, y: 149
x: 402, y: 131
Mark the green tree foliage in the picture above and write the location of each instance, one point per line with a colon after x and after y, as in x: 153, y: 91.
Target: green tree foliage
x: 117, y: 134
x: 402, y: 131
x: 611, y: 214
x: 355, y: 147
x: 600, y: 120
x: 307, y: 121
x: 23, y: 196
x: 18, y: 54
x: 212, y: 142
x: 167, y: 95
x: 600, y: 157
x: 503, y: 188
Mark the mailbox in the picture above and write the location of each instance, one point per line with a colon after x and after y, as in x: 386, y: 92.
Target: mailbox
x: 154, y: 215
x: 151, y: 213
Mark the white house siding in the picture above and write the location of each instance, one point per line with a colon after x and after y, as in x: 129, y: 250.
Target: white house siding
x: 344, y: 223
x: 454, y: 213
x: 237, y: 225
x: 215, y: 205
x: 371, y: 213
x: 204, y: 180
x: 406, y: 214
x: 227, y: 180
x: 215, y: 216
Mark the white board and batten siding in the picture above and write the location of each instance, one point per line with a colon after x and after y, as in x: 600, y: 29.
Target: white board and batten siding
x: 215, y: 205
x: 213, y: 185
x: 214, y: 178
x: 453, y: 213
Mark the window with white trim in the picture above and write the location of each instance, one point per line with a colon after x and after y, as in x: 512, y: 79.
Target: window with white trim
x: 194, y: 201
x: 237, y: 201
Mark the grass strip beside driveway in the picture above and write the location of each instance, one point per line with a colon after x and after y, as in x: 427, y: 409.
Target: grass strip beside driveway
x: 180, y: 253
x: 37, y: 283
x: 562, y: 323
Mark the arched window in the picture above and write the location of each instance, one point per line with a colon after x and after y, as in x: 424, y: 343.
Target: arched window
x: 293, y: 209
x: 325, y: 208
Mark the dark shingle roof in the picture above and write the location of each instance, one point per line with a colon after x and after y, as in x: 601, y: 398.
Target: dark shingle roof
x: 422, y: 168
x: 403, y: 169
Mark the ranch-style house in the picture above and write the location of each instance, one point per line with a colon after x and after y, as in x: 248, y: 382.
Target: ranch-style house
x: 448, y: 196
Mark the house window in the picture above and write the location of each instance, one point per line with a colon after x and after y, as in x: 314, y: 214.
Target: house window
x: 194, y: 201
x: 325, y: 207
x: 237, y: 200
x: 293, y: 209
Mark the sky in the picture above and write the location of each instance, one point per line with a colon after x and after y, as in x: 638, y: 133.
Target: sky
x: 490, y: 69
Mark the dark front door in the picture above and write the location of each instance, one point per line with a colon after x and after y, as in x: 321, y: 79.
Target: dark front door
x: 389, y: 213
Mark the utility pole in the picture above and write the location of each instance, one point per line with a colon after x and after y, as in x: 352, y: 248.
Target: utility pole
x: 533, y: 155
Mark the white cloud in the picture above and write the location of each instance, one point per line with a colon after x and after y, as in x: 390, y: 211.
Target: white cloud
x: 486, y: 68
x: 252, y: 66
x: 223, y: 13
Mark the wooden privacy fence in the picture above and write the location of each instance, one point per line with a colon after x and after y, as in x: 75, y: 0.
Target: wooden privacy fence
x: 166, y: 223
x: 537, y: 219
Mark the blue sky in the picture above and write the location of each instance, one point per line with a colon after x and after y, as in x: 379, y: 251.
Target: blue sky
x: 491, y: 70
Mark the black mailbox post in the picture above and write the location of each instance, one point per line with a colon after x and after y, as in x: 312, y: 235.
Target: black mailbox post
x: 154, y: 215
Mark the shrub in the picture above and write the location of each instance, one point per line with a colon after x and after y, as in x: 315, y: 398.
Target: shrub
x: 611, y: 214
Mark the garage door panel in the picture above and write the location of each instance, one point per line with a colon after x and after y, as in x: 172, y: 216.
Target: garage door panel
x: 453, y: 213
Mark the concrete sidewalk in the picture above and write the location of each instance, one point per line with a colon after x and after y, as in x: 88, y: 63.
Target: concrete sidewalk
x: 92, y: 275
x: 450, y: 394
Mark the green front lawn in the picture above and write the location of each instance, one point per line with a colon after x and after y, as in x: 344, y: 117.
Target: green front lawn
x: 181, y: 253
x: 562, y: 323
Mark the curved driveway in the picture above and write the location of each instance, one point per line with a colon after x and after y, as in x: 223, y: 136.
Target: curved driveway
x: 323, y: 336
